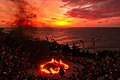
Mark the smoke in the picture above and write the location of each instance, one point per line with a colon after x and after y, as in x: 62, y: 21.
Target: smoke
x: 24, y: 14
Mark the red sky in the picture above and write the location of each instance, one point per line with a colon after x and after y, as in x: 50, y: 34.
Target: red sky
x: 61, y: 13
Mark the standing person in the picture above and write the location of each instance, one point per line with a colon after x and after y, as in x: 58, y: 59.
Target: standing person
x: 61, y: 72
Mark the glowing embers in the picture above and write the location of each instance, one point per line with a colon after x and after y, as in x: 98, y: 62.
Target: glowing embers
x: 52, y: 67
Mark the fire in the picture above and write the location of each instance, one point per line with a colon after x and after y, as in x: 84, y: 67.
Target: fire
x: 52, y: 67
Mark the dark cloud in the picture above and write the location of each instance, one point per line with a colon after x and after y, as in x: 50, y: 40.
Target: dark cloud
x: 23, y: 14
x: 93, y: 9
x: 81, y: 2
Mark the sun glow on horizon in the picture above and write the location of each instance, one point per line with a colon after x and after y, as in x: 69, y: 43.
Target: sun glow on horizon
x: 62, y: 22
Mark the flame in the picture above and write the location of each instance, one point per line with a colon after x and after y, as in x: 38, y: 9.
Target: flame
x: 45, y: 70
x: 65, y: 65
x: 52, y: 70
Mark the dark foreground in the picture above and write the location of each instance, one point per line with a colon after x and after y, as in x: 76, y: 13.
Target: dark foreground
x: 19, y: 53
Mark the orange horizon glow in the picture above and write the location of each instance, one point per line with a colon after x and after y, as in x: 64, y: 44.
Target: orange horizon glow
x: 61, y: 22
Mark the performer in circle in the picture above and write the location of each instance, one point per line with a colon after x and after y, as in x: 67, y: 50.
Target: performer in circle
x: 61, y: 72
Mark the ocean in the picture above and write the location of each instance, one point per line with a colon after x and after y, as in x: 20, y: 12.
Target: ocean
x: 104, y: 38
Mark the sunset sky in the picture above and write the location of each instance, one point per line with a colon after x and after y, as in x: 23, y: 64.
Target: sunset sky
x: 61, y: 13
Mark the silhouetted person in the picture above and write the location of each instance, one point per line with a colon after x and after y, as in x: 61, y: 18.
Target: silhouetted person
x: 75, y: 50
x: 66, y: 48
x: 61, y: 72
x: 47, y: 39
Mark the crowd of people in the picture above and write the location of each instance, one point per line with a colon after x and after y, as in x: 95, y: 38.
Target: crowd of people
x: 16, y: 59
x: 107, y: 68
x: 105, y: 65
x: 17, y: 56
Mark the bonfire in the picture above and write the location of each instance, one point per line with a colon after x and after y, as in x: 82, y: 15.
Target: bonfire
x: 53, y: 66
